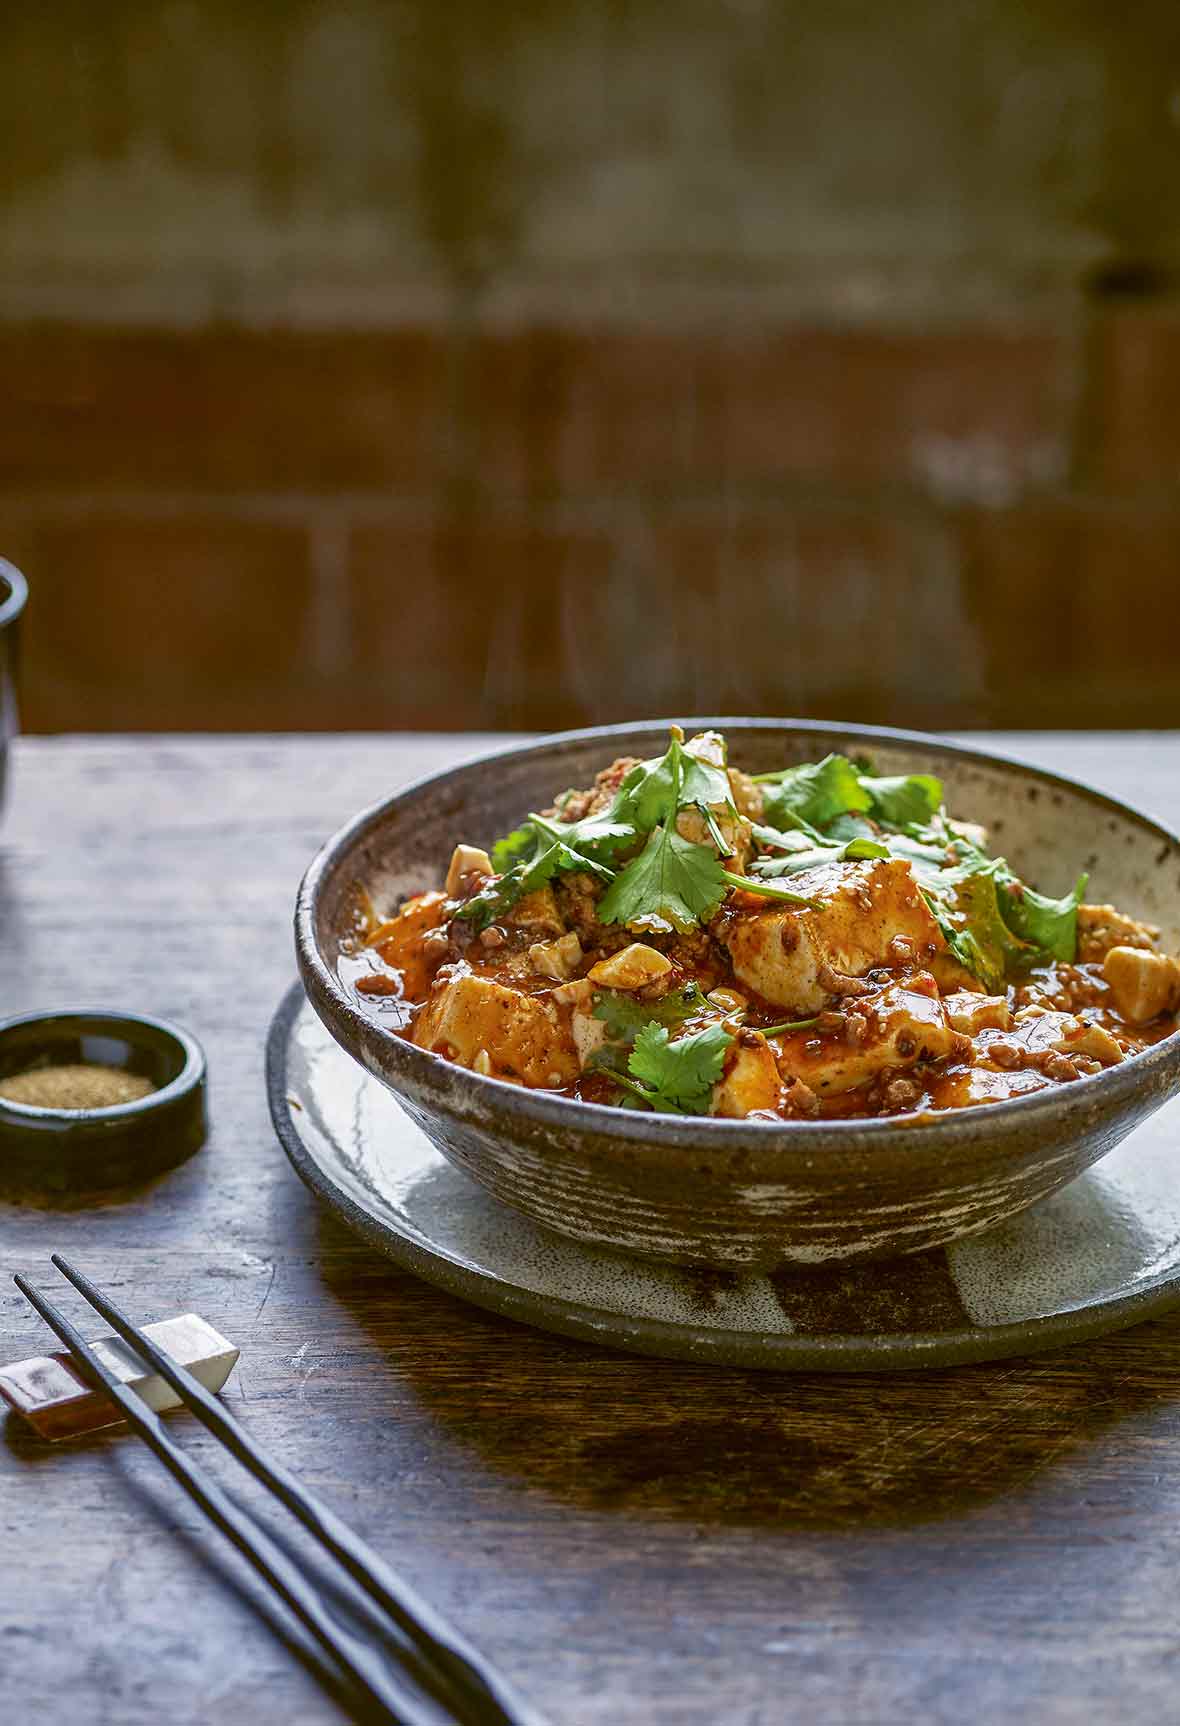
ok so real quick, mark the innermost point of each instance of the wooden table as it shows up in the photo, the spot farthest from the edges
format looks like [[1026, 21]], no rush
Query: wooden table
[[635, 1541]]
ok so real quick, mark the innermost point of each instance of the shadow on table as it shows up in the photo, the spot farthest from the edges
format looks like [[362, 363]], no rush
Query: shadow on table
[[598, 1429], [153, 1495]]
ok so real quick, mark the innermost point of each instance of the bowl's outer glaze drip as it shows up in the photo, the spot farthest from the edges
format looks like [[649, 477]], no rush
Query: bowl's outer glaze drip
[[735, 1193]]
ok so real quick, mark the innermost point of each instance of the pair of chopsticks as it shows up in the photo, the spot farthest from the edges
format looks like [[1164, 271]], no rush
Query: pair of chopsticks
[[438, 1658]]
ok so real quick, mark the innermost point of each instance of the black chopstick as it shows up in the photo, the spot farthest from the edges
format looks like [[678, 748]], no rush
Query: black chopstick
[[437, 1653], [440, 1643], [358, 1658], [442, 1647]]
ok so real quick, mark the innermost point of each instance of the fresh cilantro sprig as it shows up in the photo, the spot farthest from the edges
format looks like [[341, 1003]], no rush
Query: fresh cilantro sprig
[[813, 856], [817, 791], [645, 806], [624, 1015], [994, 924], [836, 810], [655, 791], [676, 1078], [554, 850], [903, 798], [674, 880]]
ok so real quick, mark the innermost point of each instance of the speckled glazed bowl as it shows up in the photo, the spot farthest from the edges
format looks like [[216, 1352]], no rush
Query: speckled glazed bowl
[[747, 1194]]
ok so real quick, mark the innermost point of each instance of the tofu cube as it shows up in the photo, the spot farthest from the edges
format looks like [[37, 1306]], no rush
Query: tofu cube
[[893, 1027], [523, 1035], [751, 1078], [634, 968], [861, 908], [1143, 984], [971, 1013]]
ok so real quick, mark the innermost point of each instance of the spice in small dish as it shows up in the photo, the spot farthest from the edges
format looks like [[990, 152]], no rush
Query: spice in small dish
[[75, 1085]]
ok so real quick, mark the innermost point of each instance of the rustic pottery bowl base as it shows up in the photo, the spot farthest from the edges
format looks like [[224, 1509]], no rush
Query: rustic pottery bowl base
[[1102, 1253]]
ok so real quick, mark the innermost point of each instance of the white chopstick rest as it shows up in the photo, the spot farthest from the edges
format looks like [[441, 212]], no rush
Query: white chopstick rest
[[49, 1393]]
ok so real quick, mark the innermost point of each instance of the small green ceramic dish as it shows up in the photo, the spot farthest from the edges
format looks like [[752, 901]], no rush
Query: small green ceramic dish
[[83, 1150], [747, 1195]]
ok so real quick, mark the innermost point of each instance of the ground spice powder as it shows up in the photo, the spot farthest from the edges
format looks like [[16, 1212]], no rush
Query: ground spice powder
[[75, 1085]]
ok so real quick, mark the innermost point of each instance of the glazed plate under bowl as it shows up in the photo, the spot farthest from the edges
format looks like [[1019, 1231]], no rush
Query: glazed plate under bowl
[[1101, 1254], [746, 1195]]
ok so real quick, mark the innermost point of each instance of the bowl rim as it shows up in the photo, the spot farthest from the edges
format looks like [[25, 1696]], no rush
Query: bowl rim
[[627, 1127], [12, 604]]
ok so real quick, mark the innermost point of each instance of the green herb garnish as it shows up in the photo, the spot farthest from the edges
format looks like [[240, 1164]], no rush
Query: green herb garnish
[[676, 1078], [904, 798], [815, 792], [855, 851], [555, 848], [787, 1025], [625, 1016], [672, 880]]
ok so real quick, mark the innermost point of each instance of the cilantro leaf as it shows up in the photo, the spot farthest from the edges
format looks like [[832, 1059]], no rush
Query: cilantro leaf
[[924, 856], [819, 791], [497, 896], [856, 850], [850, 826], [816, 792], [653, 791], [993, 923], [1050, 924], [517, 847], [624, 1016], [904, 798], [671, 878], [677, 1078], [555, 853], [585, 842], [966, 907], [795, 836]]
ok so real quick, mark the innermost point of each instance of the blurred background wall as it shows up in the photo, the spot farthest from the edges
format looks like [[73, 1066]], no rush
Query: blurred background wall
[[534, 362]]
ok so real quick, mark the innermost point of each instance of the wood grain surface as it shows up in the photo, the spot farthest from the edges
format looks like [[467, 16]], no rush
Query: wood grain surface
[[633, 1540]]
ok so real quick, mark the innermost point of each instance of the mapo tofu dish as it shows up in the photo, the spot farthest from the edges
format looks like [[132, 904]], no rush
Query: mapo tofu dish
[[818, 942]]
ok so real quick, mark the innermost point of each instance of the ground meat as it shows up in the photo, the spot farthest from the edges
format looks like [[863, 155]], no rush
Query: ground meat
[[748, 796], [577, 905], [836, 983], [576, 805], [693, 952], [900, 1094], [1101, 927], [460, 935], [800, 1099]]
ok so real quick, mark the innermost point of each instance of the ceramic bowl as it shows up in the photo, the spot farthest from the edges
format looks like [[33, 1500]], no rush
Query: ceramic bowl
[[747, 1194]]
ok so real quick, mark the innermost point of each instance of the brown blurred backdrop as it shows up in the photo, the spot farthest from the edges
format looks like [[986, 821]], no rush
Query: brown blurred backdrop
[[459, 363]]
